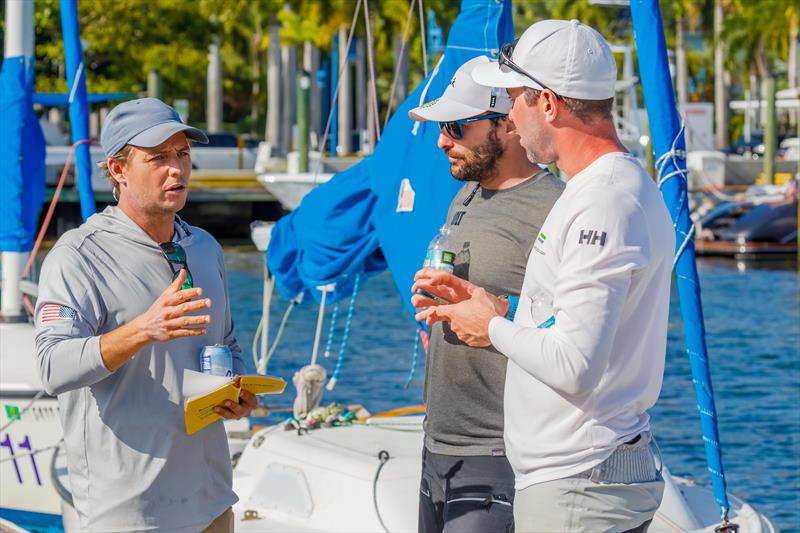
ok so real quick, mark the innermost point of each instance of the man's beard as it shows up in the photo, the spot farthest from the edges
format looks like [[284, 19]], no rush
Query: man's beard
[[481, 162]]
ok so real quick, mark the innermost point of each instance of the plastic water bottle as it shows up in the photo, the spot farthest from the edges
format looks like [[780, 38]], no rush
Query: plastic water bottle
[[439, 256], [440, 253]]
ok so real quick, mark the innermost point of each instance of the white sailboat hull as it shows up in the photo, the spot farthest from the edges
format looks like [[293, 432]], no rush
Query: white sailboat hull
[[28, 440], [331, 480]]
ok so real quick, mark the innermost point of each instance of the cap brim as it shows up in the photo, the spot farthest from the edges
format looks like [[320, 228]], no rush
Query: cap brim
[[161, 132], [490, 75], [444, 110]]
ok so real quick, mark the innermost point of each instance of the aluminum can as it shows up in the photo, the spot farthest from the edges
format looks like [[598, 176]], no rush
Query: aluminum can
[[216, 360]]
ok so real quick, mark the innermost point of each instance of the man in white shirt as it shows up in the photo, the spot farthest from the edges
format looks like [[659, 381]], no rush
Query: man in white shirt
[[587, 343]]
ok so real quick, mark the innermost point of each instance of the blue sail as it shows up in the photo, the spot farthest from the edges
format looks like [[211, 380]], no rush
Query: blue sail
[[669, 147], [22, 154], [78, 104], [352, 224]]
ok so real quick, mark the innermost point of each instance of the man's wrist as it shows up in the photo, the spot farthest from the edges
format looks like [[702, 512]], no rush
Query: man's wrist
[[512, 301]]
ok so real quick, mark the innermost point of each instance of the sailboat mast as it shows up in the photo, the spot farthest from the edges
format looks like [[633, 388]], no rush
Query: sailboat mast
[[18, 43]]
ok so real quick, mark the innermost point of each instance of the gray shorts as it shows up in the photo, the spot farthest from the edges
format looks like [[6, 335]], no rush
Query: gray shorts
[[620, 494]]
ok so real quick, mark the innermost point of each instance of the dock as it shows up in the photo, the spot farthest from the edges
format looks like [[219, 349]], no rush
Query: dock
[[222, 201]]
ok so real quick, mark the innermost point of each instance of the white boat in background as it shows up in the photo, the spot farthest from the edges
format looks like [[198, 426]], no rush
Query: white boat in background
[[290, 186]]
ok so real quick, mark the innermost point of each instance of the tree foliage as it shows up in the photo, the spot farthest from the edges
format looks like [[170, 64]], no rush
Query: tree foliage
[[127, 38]]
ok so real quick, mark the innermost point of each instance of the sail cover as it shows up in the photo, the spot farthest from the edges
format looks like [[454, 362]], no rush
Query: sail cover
[[383, 211], [22, 154]]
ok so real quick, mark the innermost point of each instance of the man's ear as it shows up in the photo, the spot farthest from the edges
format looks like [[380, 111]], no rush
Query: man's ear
[[549, 105], [116, 169]]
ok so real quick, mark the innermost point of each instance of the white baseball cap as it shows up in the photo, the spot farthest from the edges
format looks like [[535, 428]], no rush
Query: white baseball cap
[[464, 98], [565, 56]]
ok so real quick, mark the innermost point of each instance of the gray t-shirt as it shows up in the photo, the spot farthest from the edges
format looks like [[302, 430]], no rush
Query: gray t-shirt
[[492, 233]]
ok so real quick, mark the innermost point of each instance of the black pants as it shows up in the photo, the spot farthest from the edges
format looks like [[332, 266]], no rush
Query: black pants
[[465, 494]]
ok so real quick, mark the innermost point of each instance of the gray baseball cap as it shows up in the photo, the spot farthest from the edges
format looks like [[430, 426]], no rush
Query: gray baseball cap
[[146, 122]]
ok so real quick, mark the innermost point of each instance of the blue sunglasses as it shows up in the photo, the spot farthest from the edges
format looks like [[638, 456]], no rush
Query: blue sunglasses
[[455, 128]]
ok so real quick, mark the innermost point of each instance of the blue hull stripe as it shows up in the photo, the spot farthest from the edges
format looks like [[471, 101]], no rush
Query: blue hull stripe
[[33, 521]]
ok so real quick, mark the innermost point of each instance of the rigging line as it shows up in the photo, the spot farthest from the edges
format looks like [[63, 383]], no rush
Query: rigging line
[[399, 64], [345, 335], [24, 410], [422, 38], [324, 139], [320, 318], [279, 334], [48, 217], [371, 62], [331, 330], [32, 452]]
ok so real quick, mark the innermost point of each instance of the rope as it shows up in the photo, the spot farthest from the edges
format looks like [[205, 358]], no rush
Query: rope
[[329, 344], [32, 452], [424, 93], [383, 457], [399, 63], [672, 156], [263, 328], [343, 65], [345, 335], [413, 358], [371, 63], [320, 319], [279, 334], [52, 207], [24, 410], [422, 37]]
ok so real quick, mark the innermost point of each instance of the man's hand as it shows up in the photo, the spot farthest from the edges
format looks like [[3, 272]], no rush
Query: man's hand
[[440, 284], [469, 319], [165, 319], [235, 411]]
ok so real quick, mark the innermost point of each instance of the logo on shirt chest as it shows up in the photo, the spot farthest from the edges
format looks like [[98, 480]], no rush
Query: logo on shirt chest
[[538, 244], [592, 237]]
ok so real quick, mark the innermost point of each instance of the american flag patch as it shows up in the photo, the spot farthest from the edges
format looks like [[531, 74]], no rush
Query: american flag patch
[[52, 312]]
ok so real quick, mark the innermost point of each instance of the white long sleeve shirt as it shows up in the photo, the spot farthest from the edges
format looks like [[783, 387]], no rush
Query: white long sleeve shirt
[[601, 267]]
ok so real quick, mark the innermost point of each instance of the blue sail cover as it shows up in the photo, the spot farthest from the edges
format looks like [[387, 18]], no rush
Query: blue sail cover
[[22, 152], [665, 128], [78, 104], [351, 223]]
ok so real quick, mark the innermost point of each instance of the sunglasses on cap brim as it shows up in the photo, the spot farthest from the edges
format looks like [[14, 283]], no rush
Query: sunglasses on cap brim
[[507, 64]]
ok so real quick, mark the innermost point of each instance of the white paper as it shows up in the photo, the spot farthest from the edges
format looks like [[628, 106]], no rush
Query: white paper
[[198, 384]]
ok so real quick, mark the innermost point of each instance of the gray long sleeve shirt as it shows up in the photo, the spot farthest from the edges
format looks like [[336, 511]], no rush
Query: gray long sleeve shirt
[[131, 465]]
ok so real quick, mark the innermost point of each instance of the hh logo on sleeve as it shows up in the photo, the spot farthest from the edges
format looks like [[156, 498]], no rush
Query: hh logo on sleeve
[[591, 236], [51, 312]]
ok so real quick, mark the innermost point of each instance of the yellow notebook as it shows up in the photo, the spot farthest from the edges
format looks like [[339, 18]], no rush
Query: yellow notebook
[[203, 392]]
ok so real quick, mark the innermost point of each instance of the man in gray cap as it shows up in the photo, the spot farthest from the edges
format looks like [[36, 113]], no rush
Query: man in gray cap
[[587, 344], [118, 318], [467, 483]]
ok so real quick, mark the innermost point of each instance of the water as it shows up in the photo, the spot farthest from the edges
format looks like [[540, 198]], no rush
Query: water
[[753, 333]]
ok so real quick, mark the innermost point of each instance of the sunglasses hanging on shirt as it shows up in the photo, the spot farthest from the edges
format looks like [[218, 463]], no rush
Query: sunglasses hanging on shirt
[[176, 258]]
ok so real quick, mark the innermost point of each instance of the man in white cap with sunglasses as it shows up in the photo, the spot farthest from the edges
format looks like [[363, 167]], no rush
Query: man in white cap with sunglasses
[[467, 483], [587, 343], [119, 318]]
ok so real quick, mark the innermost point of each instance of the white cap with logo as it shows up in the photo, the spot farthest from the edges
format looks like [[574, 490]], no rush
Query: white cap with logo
[[464, 98], [567, 57]]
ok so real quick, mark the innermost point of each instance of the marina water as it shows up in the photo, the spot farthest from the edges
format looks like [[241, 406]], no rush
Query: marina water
[[752, 314]]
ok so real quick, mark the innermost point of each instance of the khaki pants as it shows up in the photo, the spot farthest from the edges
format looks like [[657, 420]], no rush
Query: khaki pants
[[620, 494], [222, 524]]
